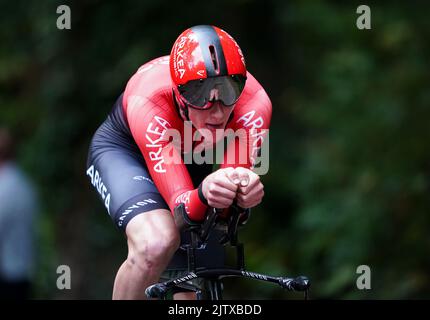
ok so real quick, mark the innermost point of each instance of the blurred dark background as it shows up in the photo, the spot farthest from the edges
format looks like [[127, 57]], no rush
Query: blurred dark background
[[350, 158]]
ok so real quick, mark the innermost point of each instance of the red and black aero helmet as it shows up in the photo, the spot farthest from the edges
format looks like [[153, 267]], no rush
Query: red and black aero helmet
[[206, 64]]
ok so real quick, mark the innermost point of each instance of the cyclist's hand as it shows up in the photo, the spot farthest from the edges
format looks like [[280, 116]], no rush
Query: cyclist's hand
[[250, 191], [218, 190], [239, 176]]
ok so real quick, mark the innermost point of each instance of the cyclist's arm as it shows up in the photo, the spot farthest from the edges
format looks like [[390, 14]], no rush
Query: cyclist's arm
[[252, 117], [147, 123], [251, 122]]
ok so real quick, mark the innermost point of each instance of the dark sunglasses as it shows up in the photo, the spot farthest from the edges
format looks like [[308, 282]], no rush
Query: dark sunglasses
[[198, 93]]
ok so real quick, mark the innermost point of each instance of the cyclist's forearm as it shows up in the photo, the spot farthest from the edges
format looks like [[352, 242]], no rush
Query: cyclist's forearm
[[194, 204]]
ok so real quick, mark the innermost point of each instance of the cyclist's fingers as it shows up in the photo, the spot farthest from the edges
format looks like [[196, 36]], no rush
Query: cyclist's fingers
[[247, 204], [244, 204], [227, 169], [233, 176], [243, 190], [224, 193], [227, 184], [254, 196], [249, 188], [220, 194], [244, 179], [244, 176], [243, 198], [257, 191]]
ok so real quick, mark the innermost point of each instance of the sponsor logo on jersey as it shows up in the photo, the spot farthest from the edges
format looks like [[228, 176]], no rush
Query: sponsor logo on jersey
[[155, 138], [185, 199], [258, 135], [97, 182]]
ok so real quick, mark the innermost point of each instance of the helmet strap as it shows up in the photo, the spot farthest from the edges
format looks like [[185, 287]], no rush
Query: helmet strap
[[180, 106], [185, 109]]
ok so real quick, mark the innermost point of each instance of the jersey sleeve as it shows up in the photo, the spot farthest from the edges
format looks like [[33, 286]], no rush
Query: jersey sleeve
[[250, 128], [154, 131]]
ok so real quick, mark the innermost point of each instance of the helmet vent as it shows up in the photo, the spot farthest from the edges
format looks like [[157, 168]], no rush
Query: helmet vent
[[214, 58]]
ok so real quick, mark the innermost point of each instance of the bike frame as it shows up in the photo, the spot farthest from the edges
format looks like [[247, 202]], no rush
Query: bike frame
[[213, 276]]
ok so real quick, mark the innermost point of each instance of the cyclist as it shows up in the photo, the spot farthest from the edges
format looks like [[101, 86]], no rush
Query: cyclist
[[141, 174]]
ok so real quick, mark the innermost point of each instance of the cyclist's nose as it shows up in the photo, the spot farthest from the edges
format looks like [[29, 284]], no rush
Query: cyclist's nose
[[217, 111]]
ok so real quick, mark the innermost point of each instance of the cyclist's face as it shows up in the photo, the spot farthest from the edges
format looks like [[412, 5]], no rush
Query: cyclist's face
[[214, 118]]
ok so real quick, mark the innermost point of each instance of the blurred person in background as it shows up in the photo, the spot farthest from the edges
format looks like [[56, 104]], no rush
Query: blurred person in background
[[18, 207]]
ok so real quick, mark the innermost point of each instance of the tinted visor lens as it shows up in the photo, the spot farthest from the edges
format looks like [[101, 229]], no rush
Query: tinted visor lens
[[226, 89]]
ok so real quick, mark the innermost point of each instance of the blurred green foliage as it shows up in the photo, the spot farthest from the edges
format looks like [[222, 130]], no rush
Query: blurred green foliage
[[349, 168]]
